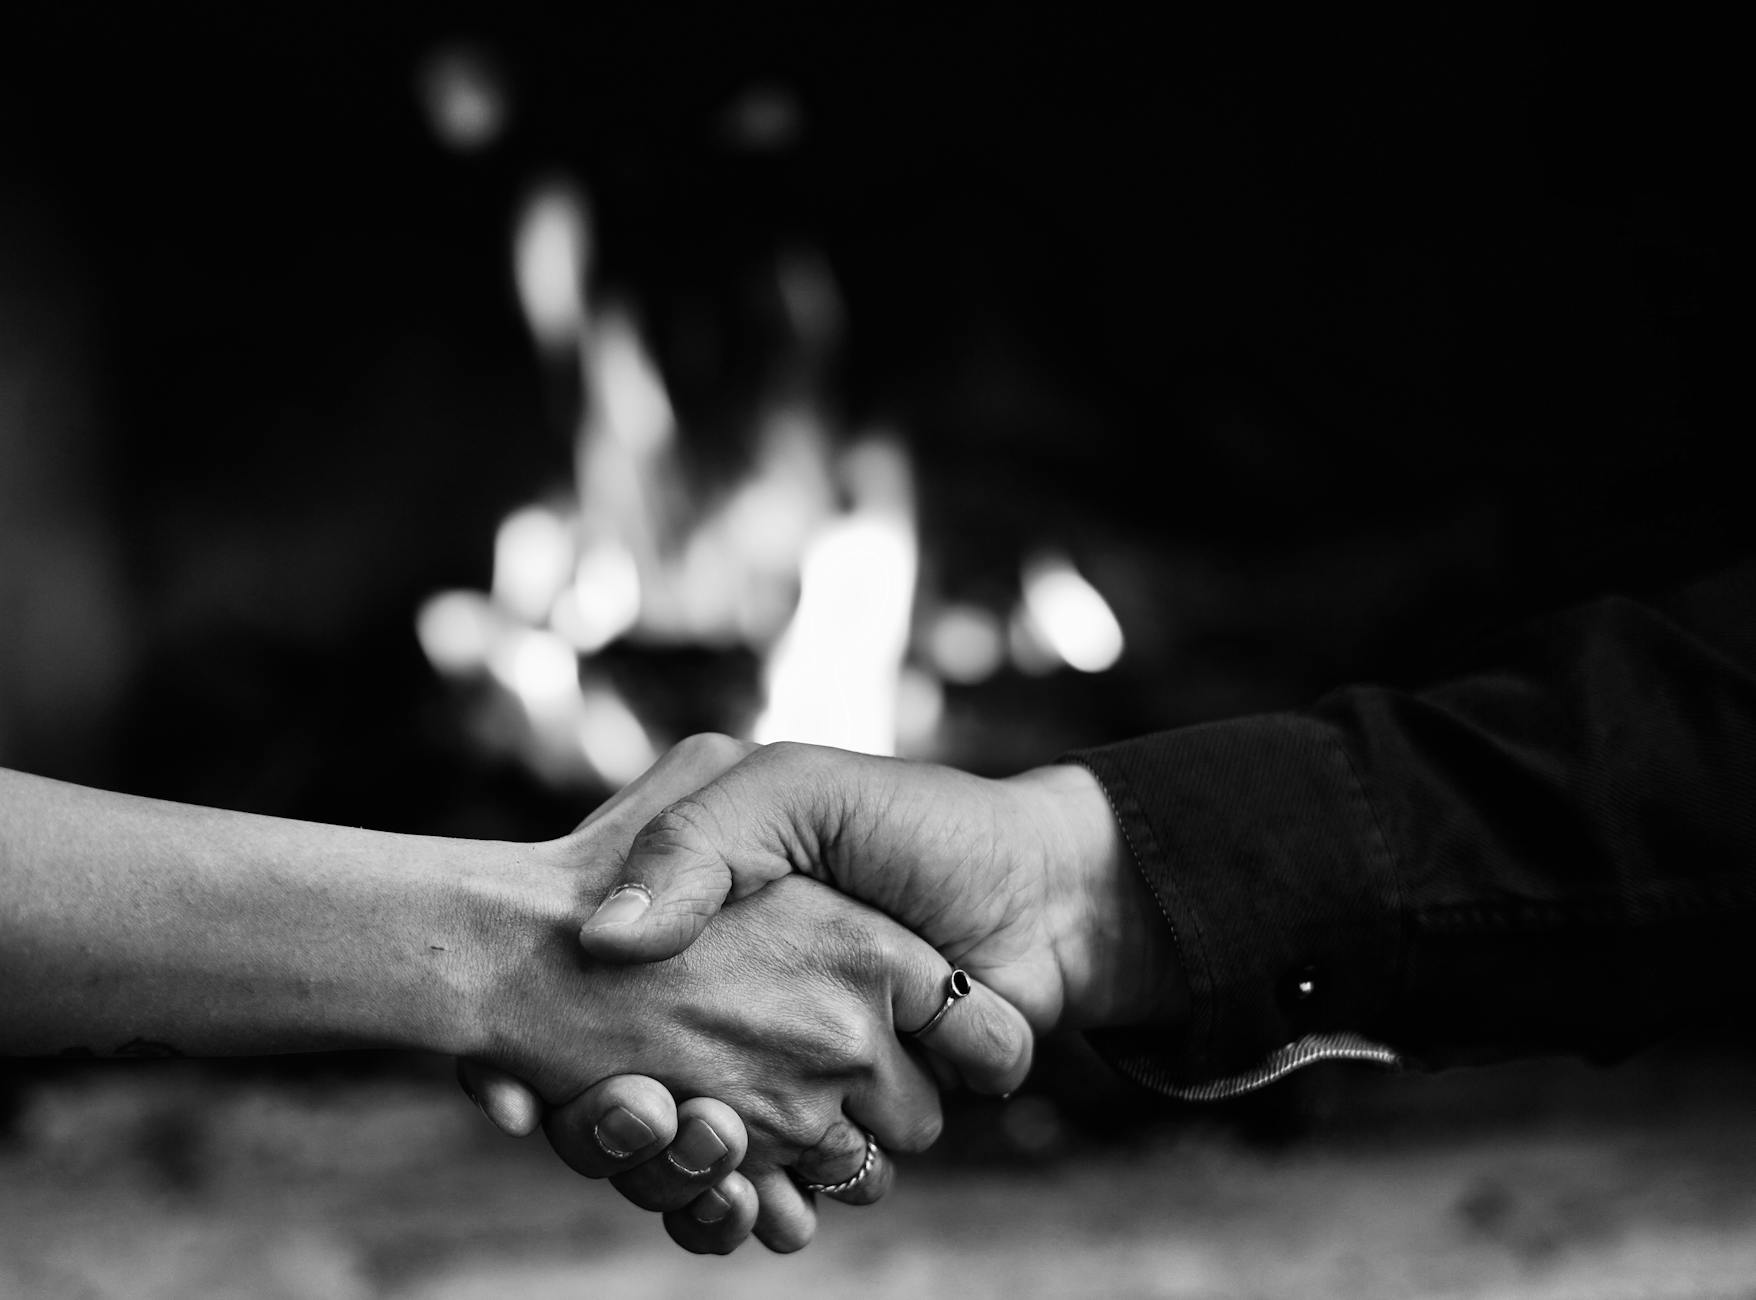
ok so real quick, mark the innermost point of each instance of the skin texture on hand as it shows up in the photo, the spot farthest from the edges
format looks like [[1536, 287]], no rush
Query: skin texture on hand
[[786, 1010], [1025, 881], [703, 1215], [131, 924], [626, 1129], [789, 1016]]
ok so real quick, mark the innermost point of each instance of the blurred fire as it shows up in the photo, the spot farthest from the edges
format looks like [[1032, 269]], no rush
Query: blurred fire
[[808, 559]]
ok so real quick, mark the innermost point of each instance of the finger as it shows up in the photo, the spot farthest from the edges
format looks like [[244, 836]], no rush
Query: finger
[[719, 1220], [898, 1105], [847, 1154], [686, 766], [680, 869], [510, 1105], [983, 1036], [785, 1218], [775, 811], [614, 1125], [710, 1143]]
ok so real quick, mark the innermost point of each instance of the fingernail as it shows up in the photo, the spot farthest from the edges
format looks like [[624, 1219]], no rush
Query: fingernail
[[710, 1207], [621, 1133], [696, 1149], [627, 903]]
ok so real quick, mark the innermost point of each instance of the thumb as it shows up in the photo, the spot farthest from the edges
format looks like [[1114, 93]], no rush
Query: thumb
[[731, 837]]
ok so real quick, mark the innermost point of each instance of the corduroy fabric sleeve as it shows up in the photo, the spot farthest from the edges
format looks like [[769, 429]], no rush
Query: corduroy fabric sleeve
[[1556, 854]]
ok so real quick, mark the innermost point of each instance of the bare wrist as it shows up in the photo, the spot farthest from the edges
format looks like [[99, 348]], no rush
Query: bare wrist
[[531, 1002], [508, 905], [1115, 947]]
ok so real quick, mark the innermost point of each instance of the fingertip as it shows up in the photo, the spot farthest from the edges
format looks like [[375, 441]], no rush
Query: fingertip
[[1010, 1078], [718, 1221], [645, 941], [785, 1219], [723, 1120], [1012, 1059], [1014, 1049], [512, 1108], [614, 1126], [630, 1115], [987, 1039]]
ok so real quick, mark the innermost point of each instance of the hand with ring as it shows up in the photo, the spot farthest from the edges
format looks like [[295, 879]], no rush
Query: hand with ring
[[787, 1011], [1023, 882], [693, 1193]]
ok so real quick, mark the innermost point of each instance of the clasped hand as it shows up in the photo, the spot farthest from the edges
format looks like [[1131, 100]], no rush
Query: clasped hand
[[756, 1053]]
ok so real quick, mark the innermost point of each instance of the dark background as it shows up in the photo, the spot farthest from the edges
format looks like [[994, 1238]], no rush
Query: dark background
[[1327, 348], [1341, 345]]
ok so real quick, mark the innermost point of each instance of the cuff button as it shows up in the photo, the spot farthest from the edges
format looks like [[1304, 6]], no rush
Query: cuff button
[[1300, 990]]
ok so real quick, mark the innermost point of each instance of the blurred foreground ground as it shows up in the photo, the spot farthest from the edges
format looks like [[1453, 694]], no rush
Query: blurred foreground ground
[[177, 1180]]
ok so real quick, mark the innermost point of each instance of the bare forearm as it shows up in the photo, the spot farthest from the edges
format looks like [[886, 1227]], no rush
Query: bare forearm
[[128, 924]]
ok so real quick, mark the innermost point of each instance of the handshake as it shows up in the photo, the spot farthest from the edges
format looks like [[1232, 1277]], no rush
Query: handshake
[[744, 980], [786, 952]]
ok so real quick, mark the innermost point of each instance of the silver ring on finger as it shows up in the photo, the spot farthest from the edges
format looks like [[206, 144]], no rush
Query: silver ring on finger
[[848, 1184], [957, 987]]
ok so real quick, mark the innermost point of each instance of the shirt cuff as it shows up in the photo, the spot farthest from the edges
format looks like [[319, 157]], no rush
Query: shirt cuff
[[1259, 843]]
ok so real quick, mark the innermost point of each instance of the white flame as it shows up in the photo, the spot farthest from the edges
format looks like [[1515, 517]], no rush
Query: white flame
[[538, 667], [603, 601], [1031, 654], [1069, 616], [465, 99], [811, 299], [771, 562], [631, 403], [735, 581], [965, 643], [920, 707], [456, 630], [611, 737], [550, 258], [832, 679], [533, 561]]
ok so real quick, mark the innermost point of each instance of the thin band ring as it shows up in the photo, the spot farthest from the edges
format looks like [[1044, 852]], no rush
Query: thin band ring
[[848, 1184], [957, 986]]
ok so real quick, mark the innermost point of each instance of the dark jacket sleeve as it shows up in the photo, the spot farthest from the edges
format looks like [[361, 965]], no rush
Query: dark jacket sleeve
[[1557, 854]]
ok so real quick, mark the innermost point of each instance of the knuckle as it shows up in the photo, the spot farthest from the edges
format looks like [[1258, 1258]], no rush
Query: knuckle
[[849, 1048], [784, 751], [763, 1112], [709, 749], [795, 757], [839, 1145], [685, 826], [853, 945]]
